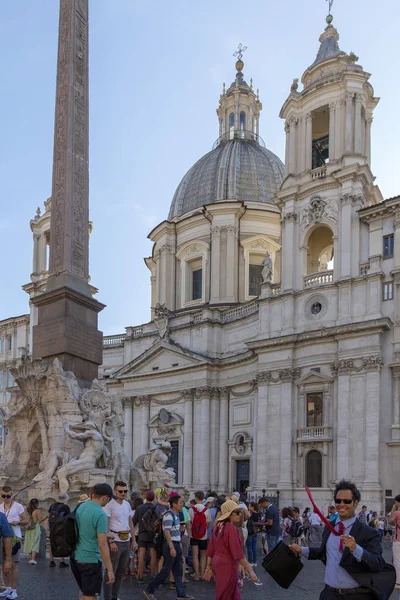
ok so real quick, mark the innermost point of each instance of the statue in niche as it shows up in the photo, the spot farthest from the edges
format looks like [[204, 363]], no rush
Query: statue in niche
[[267, 271], [94, 449]]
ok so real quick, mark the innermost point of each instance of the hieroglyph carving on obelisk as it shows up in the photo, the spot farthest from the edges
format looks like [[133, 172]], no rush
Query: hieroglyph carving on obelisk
[[70, 191]]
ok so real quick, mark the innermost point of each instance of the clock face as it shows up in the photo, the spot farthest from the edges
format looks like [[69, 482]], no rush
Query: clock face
[[164, 416]]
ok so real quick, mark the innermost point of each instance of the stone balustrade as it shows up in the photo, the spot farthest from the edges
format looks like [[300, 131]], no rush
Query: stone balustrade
[[276, 289], [364, 268], [239, 312], [113, 340], [318, 433], [319, 173], [317, 279]]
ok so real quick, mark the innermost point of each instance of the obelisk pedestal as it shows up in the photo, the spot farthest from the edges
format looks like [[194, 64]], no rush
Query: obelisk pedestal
[[67, 312]]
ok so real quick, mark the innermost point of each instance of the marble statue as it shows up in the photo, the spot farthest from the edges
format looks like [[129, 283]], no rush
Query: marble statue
[[267, 271], [94, 450], [150, 470]]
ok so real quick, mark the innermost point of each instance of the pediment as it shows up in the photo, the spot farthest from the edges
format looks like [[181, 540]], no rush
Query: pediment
[[161, 357], [313, 377]]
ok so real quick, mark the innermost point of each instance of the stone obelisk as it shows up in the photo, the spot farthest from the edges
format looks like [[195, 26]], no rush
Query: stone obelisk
[[67, 312]]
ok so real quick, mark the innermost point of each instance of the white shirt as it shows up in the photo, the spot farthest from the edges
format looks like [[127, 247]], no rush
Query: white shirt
[[314, 519], [13, 515], [118, 515]]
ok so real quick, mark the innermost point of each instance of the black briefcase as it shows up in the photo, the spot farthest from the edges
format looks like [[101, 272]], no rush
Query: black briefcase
[[283, 565]]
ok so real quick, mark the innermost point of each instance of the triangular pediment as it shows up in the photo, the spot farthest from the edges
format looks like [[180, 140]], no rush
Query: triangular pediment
[[161, 357], [313, 377]]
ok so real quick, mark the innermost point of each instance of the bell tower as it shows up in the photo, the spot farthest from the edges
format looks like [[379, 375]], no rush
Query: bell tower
[[328, 167]]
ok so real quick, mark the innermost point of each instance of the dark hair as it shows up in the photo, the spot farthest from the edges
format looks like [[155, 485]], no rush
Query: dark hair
[[199, 495], [174, 500], [366, 507], [287, 512], [6, 488], [193, 501], [33, 505], [262, 500], [137, 502], [296, 509], [396, 498], [119, 484], [348, 485], [254, 504]]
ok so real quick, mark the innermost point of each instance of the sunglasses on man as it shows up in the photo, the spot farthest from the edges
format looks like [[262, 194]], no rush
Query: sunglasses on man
[[5, 496], [121, 491], [343, 500]]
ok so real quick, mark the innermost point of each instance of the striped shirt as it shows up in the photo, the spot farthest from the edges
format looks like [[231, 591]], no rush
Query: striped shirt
[[171, 523]]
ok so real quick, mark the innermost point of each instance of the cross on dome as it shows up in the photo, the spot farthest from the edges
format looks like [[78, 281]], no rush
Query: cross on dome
[[240, 51]]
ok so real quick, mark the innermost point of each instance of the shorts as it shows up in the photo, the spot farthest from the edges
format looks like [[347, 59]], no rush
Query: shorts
[[185, 546], [145, 544], [388, 531], [15, 557], [88, 576], [202, 544]]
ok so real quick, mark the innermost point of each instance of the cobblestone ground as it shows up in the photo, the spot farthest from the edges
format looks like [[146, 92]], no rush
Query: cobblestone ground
[[42, 583]]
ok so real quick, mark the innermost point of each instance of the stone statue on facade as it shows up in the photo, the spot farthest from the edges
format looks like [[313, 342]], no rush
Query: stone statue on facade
[[150, 470], [267, 271]]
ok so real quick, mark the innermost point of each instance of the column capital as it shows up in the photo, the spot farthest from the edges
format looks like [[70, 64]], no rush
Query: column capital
[[127, 402]]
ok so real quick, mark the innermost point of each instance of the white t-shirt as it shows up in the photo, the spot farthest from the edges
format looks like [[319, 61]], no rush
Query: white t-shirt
[[13, 515], [314, 519], [119, 517]]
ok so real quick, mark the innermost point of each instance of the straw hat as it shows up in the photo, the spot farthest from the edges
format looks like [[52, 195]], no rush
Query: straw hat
[[233, 498], [83, 498], [227, 509]]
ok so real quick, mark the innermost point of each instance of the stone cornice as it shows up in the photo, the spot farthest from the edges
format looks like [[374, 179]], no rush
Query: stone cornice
[[386, 208], [283, 375]]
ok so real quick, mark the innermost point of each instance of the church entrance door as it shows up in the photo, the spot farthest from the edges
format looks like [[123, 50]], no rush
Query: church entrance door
[[242, 475]]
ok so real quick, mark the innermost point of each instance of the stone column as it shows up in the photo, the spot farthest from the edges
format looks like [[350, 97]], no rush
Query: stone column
[[223, 439], [368, 124], [343, 421], [396, 403], [287, 377], [197, 441], [301, 143], [332, 131], [287, 147], [145, 417], [42, 252], [308, 142], [188, 440], [128, 419], [137, 428], [35, 266], [292, 151], [345, 253], [349, 146], [372, 407], [215, 264], [261, 445], [205, 439], [232, 266], [339, 128], [258, 126], [357, 125], [288, 242], [214, 437]]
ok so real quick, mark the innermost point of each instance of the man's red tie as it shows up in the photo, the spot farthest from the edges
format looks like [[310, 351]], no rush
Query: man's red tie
[[321, 516], [341, 532]]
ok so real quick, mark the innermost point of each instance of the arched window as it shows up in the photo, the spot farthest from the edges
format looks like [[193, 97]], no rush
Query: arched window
[[231, 125], [314, 469], [242, 121]]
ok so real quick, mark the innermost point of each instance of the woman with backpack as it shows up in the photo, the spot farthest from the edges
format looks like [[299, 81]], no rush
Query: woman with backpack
[[252, 530], [32, 531]]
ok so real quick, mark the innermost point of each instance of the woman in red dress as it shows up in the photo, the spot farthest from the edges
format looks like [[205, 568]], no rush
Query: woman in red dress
[[225, 552]]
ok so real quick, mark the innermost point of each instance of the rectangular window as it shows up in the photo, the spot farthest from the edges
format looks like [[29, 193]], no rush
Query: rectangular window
[[10, 379], [388, 290], [314, 409], [197, 284], [255, 279], [388, 245]]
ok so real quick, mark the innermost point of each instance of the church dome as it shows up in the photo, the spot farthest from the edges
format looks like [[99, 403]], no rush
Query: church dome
[[236, 169]]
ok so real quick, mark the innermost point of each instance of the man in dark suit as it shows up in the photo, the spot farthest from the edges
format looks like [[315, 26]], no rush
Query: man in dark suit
[[355, 568]]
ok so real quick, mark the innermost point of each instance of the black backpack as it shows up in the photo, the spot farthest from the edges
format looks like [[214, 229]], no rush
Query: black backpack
[[64, 535], [57, 510], [150, 521], [296, 529]]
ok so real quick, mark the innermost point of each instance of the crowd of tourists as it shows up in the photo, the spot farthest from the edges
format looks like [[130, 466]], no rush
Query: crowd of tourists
[[160, 540]]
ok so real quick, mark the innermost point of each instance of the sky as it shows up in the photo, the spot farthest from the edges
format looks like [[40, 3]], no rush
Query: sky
[[156, 74]]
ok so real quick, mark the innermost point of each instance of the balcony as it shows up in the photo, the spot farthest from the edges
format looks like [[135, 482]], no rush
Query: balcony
[[319, 173], [318, 279], [314, 434]]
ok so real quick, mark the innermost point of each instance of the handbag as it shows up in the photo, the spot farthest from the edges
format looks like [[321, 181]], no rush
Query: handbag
[[31, 524], [283, 565]]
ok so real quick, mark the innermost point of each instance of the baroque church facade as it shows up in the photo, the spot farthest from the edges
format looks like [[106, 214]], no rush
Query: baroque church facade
[[289, 381]]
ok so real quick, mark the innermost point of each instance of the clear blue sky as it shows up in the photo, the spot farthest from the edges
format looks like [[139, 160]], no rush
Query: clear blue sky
[[156, 72]]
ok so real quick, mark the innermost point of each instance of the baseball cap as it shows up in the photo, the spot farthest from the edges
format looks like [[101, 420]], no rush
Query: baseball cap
[[173, 494], [150, 496], [210, 500], [103, 489]]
